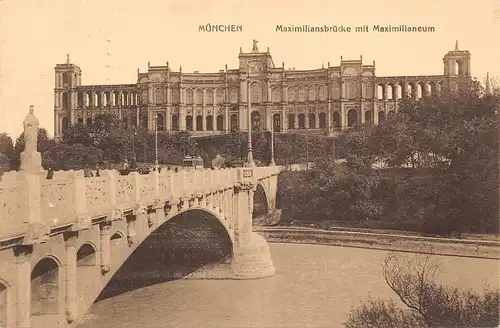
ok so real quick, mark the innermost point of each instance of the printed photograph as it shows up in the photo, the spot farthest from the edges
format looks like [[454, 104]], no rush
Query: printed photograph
[[249, 164]]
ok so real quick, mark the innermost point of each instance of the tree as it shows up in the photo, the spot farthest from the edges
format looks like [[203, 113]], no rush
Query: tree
[[78, 134], [283, 150], [427, 303], [7, 148], [235, 147], [106, 133], [72, 157]]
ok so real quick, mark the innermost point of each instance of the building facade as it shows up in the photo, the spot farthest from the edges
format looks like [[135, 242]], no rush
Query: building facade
[[324, 100]]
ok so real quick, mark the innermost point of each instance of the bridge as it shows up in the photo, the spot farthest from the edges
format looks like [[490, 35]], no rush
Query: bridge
[[62, 239]]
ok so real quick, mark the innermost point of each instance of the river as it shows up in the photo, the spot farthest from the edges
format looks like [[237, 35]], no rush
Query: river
[[314, 286]]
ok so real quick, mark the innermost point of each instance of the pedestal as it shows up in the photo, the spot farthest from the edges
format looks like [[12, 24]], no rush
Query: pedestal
[[31, 162], [253, 259]]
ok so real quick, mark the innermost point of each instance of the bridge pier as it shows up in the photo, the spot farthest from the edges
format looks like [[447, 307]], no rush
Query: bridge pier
[[71, 276], [23, 267], [251, 254]]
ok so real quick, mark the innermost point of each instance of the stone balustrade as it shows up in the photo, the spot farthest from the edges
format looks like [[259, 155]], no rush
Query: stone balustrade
[[30, 202]]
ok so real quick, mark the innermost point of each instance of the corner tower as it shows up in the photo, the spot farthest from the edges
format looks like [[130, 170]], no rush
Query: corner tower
[[67, 78], [457, 63]]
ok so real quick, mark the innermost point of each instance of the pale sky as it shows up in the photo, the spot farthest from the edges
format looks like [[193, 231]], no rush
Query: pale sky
[[110, 39]]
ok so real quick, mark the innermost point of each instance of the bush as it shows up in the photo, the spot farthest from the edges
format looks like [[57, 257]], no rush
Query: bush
[[427, 304]]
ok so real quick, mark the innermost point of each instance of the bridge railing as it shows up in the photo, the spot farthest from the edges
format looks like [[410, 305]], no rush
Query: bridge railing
[[69, 196]]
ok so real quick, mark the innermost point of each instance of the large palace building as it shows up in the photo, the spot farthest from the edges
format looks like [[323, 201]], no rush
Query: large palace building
[[326, 100]]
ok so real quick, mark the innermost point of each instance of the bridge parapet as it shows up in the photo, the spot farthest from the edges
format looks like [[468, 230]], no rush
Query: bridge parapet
[[32, 206]]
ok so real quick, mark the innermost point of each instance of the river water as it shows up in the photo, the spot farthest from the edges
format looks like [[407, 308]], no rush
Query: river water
[[314, 286]]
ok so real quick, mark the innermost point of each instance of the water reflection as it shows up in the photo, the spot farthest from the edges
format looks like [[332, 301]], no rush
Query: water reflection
[[314, 286]]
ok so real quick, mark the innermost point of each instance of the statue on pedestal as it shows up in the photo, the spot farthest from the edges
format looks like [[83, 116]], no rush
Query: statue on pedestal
[[31, 159], [31, 125]]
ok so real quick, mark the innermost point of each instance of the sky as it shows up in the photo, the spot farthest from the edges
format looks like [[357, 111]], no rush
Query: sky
[[111, 39]]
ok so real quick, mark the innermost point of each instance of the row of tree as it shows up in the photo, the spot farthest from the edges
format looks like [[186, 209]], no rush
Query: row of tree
[[441, 175], [107, 141]]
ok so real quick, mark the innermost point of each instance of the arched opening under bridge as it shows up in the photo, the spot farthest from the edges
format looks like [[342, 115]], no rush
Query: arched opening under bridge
[[182, 245]]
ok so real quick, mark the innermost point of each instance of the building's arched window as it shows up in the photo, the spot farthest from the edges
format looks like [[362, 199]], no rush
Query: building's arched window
[[276, 95], [456, 67], [291, 94], [89, 121], [125, 99], [399, 92], [352, 117], [220, 123], [291, 121], [189, 123], [381, 117], [233, 96], [352, 90], [277, 122], [410, 90], [64, 125], [219, 97], [66, 103], [234, 122], [175, 123], [302, 94], [312, 121], [368, 116], [160, 122], [175, 96], [390, 92], [322, 120], [323, 93], [256, 93], [256, 121], [420, 90], [66, 79], [144, 122], [79, 100], [210, 123], [199, 123], [302, 121], [198, 97], [189, 96], [380, 91], [105, 99], [336, 120], [144, 98], [311, 93], [159, 96], [209, 96], [86, 100]]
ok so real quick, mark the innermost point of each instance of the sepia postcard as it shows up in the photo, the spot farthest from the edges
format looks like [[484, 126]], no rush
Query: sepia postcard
[[249, 164]]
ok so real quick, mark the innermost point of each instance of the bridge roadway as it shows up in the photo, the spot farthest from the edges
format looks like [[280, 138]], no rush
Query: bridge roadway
[[62, 239]]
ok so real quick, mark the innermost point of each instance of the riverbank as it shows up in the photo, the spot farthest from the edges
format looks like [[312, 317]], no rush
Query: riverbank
[[476, 248]]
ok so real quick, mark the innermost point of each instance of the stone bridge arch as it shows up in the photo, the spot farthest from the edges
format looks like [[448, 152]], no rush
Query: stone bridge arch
[[260, 203], [187, 243]]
